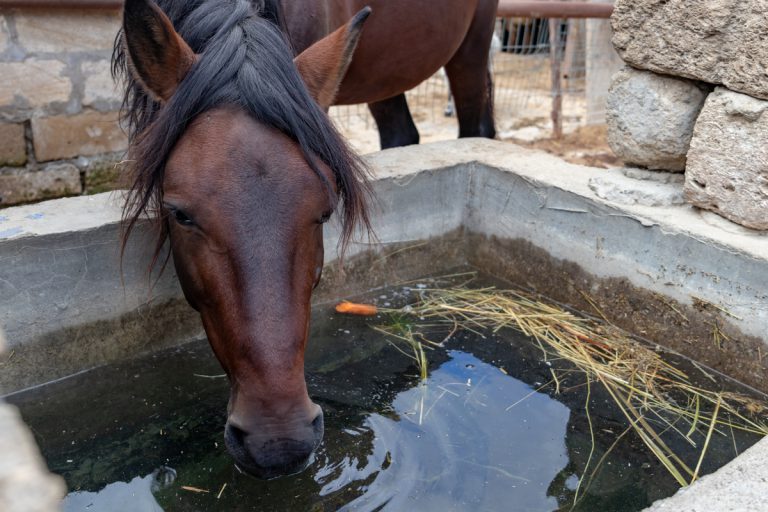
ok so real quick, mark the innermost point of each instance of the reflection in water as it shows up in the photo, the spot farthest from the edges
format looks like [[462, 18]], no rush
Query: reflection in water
[[457, 447], [452, 443], [136, 495]]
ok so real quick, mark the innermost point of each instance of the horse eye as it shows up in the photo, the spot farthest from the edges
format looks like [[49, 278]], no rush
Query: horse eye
[[325, 217], [181, 217]]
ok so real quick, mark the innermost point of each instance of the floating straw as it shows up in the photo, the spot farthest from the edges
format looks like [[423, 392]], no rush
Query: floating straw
[[636, 377]]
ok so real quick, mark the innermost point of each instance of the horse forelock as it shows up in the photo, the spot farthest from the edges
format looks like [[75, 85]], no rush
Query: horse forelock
[[244, 60]]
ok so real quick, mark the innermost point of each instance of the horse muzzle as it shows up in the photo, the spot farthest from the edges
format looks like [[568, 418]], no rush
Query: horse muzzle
[[268, 454]]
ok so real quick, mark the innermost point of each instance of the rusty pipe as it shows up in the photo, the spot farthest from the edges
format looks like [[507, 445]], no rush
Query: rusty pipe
[[61, 4], [507, 8], [555, 9]]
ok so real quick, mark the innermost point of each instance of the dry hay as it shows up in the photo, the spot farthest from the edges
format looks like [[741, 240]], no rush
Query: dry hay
[[654, 396]]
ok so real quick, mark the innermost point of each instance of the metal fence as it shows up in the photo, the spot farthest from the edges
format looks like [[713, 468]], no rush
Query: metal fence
[[551, 74]]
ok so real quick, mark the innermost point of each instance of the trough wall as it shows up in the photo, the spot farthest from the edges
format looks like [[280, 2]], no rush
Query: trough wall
[[672, 274]]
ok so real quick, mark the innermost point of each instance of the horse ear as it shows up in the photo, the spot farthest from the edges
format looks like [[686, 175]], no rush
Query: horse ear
[[324, 64], [159, 58]]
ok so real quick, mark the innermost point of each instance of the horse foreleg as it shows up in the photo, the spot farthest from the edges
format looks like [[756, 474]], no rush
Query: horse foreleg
[[470, 80], [396, 126]]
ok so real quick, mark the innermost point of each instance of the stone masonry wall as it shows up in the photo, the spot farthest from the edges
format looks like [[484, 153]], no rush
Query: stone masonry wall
[[59, 133], [694, 97]]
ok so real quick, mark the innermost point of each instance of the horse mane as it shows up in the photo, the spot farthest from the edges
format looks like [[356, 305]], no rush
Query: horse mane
[[244, 60]]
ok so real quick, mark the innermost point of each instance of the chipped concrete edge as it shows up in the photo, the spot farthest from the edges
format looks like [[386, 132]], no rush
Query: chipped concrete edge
[[739, 486]]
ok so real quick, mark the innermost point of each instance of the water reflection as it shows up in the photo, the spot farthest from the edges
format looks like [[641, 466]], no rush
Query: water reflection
[[453, 443], [457, 446], [136, 495]]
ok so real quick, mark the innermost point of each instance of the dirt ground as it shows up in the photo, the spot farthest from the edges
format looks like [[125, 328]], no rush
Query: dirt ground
[[580, 144], [586, 145], [522, 108]]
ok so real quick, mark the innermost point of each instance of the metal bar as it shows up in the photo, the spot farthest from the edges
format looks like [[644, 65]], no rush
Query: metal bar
[[507, 8], [556, 9], [556, 58], [61, 4]]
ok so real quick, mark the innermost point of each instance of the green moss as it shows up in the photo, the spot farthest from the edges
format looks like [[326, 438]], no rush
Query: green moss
[[102, 176]]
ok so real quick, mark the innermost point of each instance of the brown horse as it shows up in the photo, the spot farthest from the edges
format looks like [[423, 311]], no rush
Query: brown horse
[[404, 43], [236, 161]]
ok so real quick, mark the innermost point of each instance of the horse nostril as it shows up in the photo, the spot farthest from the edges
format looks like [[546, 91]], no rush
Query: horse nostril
[[236, 434], [234, 440], [317, 423], [317, 428]]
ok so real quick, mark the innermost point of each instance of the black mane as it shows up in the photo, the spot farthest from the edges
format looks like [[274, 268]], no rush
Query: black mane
[[244, 60]]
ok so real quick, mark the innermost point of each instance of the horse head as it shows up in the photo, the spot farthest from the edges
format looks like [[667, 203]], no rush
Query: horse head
[[233, 155]]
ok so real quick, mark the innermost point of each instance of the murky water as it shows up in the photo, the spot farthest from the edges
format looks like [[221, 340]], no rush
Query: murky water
[[146, 435]]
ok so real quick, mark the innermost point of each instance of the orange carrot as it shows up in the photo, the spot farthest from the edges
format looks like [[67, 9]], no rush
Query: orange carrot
[[351, 308]]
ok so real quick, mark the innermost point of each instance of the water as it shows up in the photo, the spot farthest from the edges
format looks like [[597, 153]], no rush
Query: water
[[146, 435]]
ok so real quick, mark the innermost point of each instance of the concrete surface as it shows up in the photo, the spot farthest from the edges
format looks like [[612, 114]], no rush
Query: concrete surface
[[65, 302], [61, 293], [739, 486], [639, 186]]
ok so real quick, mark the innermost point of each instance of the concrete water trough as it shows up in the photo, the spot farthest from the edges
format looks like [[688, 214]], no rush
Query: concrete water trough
[[668, 274]]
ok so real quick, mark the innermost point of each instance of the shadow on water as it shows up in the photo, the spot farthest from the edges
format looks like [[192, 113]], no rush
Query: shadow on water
[[484, 432]]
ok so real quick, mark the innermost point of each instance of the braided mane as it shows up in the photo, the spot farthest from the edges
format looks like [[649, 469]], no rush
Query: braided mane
[[245, 60]]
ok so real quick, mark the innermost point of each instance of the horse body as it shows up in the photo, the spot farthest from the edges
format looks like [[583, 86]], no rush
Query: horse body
[[233, 157], [404, 43]]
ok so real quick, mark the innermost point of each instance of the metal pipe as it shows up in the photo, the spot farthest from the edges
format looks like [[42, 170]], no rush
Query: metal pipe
[[61, 4], [556, 9], [556, 59], [507, 8]]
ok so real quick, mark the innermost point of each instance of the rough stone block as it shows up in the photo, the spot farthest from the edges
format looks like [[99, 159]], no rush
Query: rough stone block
[[100, 88], [66, 30], [651, 118], [88, 133], [34, 82], [716, 41], [728, 162], [13, 148], [25, 186]]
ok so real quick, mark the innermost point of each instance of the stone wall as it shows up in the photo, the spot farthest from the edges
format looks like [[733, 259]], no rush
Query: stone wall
[[693, 98], [59, 133]]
